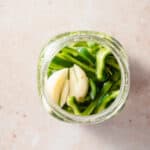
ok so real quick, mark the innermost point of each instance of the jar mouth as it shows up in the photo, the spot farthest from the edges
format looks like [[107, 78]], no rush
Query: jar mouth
[[52, 48]]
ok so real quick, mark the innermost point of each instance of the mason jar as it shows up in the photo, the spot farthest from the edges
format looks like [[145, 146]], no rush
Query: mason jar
[[53, 47]]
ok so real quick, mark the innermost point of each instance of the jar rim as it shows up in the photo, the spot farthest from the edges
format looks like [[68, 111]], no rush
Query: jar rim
[[118, 103]]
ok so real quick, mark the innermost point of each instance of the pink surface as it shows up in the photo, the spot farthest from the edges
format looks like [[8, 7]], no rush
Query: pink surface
[[25, 26]]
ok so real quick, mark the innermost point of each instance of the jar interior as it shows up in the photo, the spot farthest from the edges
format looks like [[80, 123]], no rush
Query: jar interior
[[55, 45]]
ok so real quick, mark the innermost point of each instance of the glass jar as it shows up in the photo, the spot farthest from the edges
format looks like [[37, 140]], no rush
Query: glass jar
[[53, 47]]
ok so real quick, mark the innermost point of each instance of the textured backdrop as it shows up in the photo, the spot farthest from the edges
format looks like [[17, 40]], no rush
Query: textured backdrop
[[25, 26]]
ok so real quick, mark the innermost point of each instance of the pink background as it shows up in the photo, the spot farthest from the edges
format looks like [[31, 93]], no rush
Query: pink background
[[25, 26]]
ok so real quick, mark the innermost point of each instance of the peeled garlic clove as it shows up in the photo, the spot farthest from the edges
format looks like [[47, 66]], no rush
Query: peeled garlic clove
[[55, 83], [78, 83], [72, 82], [64, 94]]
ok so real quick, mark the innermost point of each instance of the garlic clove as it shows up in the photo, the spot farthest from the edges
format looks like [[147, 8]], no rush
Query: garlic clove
[[55, 83], [72, 82], [78, 83], [64, 94]]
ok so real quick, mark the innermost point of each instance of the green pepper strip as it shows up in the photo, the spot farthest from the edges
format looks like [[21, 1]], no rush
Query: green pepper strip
[[57, 63], [111, 61], [71, 51], [106, 99], [100, 62], [73, 60], [116, 75], [72, 104], [55, 66], [83, 52], [68, 108], [93, 89], [109, 72], [94, 47], [62, 62], [49, 72], [116, 85], [89, 109], [106, 87]]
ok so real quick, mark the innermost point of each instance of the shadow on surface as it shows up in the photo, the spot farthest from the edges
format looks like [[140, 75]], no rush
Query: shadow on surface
[[131, 128]]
